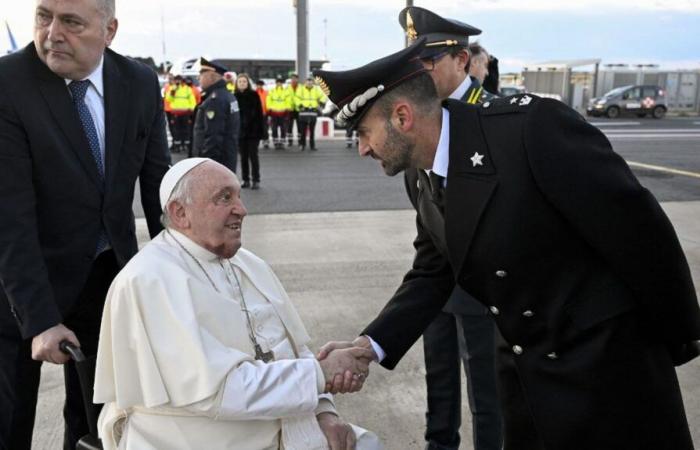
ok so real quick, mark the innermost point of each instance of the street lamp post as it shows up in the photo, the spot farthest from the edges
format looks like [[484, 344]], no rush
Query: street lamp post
[[302, 38]]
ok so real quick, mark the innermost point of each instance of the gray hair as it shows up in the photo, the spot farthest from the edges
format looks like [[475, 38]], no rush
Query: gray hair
[[182, 193], [108, 9]]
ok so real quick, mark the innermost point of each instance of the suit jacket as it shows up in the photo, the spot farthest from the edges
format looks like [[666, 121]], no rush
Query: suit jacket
[[52, 203], [557, 237]]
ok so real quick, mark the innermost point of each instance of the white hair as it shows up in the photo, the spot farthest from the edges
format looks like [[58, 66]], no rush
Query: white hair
[[182, 193]]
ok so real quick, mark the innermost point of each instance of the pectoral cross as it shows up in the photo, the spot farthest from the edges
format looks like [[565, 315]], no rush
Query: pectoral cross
[[265, 357]]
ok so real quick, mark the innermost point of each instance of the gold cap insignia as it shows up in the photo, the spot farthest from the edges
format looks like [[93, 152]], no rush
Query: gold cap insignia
[[324, 87], [411, 33]]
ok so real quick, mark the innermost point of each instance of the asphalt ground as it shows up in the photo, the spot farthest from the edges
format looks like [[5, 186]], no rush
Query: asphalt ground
[[338, 179], [338, 233]]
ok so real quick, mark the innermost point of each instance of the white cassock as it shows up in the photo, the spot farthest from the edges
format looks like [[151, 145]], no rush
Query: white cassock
[[176, 366]]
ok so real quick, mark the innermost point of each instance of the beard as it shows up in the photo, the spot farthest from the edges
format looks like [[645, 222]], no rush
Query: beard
[[400, 149]]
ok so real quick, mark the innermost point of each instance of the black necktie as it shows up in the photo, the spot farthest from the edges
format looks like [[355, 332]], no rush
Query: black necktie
[[437, 189]]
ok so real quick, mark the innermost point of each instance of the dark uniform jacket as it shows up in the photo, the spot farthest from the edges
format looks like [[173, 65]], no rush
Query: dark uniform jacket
[[217, 124], [579, 266], [251, 113], [52, 202], [460, 302]]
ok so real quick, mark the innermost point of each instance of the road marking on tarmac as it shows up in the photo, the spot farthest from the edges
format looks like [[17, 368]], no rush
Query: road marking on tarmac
[[664, 169], [612, 124], [653, 130]]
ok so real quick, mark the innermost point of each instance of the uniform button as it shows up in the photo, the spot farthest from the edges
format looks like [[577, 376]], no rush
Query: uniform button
[[501, 273], [518, 350], [487, 104], [418, 184], [494, 311], [552, 355], [528, 313]]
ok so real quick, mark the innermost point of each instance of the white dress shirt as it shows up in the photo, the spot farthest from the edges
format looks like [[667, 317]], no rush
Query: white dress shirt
[[94, 99]]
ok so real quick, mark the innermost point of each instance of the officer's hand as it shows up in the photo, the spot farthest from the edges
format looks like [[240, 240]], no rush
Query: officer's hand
[[45, 346]]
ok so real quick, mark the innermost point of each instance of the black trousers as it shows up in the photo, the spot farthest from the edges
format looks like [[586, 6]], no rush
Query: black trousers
[[19, 374], [182, 129], [291, 118], [470, 338], [279, 125], [249, 157], [307, 122]]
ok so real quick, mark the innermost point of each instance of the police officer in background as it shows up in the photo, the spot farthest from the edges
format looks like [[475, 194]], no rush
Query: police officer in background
[[217, 123], [464, 329]]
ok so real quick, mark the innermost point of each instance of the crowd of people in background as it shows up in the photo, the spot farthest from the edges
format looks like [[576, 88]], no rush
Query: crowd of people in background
[[269, 117]]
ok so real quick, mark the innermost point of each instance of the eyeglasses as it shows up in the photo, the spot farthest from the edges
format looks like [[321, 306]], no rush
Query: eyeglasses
[[434, 59]]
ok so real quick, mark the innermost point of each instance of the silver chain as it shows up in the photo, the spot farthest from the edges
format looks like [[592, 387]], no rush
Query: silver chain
[[259, 354]]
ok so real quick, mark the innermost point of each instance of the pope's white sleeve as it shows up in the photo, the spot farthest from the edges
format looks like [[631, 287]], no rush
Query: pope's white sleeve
[[266, 391], [325, 401]]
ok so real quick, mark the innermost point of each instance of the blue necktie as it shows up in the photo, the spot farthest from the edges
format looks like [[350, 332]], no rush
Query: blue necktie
[[79, 89]]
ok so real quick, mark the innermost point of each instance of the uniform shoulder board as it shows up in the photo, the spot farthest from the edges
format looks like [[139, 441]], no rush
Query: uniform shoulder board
[[506, 105]]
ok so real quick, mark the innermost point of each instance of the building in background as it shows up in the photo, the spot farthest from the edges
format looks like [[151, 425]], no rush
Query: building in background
[[575, 82]]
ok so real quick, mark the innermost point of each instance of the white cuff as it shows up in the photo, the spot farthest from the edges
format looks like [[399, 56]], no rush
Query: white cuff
[[377, 349]]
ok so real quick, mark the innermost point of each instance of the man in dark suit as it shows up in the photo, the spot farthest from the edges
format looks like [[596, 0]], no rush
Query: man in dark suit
[[78, 125], [464, 329], [547, 227]]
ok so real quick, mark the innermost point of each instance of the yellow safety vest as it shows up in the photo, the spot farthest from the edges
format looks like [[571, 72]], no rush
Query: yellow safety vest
[[182, 99], [278, 100], [293, 93], [309, 98]]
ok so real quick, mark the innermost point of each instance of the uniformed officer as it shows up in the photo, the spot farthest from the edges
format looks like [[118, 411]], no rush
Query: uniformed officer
[[447, 42], [463, 330], [309, 99], [535, 215], [218, 118]]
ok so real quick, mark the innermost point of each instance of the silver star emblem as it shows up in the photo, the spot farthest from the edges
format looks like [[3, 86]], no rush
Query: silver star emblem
[[477, 159], [513, 100], [525, 100]]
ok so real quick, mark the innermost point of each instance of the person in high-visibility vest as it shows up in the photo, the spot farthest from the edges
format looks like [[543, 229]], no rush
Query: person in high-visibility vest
[[278, 108], [262, 92], [308, 101], [182, 101], [167, 108], [230, 79], [197, 92], [293, 89]]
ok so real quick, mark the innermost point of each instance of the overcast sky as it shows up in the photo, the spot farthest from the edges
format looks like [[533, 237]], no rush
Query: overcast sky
[[353, 32]]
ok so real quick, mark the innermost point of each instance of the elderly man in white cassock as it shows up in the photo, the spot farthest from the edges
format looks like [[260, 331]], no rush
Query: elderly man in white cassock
[[200, 347]]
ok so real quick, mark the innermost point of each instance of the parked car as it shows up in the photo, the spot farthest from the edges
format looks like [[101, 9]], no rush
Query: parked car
[[507, 91], [639, 100]]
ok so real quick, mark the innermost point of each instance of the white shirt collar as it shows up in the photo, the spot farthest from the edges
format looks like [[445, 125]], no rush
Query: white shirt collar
[[462, 88], [442, 154], [95, 78], [192, 247]]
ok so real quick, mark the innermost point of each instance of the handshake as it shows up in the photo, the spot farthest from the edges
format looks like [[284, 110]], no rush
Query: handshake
[[345, 365]]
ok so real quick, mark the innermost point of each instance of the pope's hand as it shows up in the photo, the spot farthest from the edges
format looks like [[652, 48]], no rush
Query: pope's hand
[[338, 433], [45, 346], [346, 369]]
